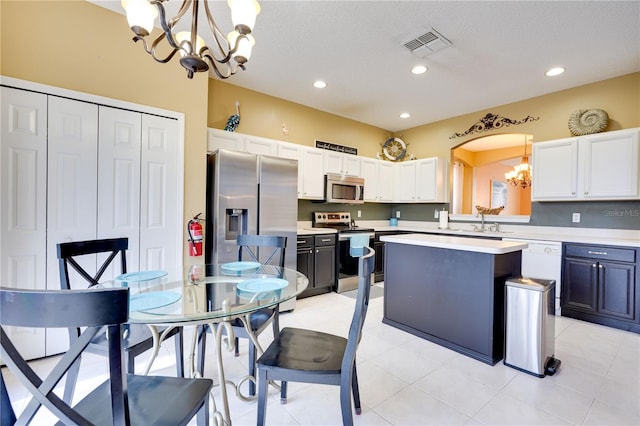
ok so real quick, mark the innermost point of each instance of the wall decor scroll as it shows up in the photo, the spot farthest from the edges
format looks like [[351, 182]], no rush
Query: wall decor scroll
[[588, 121], [493, 122]]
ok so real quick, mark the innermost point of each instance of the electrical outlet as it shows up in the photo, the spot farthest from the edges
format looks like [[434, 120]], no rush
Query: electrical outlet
[[436, 214], [398, 214], [575, 218], [359, 213]]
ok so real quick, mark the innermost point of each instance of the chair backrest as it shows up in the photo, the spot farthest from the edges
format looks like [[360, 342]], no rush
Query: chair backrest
[[68, 251], [365, 269], [92, 309], [266, 249]]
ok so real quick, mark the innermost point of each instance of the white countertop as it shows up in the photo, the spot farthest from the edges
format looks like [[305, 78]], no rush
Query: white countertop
[[480, 245], [316, 231], [600, 236]]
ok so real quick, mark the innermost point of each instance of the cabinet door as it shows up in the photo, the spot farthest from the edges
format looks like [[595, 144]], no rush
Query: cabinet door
[[23, 210], [369, 172], [386, 181], [313, 174], [333, 162], [351, 165], [616, 289], [305, 264], [161, 194], [260, 146], [406, 181], [555, 170], [378, 246], [427, 179], [325, 267], [611, 165], [580, 284], [217, 139], [292, 151], [119, 180]]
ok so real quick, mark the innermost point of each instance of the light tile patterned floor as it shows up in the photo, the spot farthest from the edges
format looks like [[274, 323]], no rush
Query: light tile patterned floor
[[405, 380]]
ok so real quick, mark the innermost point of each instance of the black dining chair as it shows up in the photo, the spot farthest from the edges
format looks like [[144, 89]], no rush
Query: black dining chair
[[123, 398], [271, 249], [138, 338], [308, 356]]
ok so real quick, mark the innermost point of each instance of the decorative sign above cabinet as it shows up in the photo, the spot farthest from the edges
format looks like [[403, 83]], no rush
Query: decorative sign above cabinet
[[338, 148]]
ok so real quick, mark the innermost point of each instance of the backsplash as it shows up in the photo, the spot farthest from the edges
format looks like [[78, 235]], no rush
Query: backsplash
[[593, 214]]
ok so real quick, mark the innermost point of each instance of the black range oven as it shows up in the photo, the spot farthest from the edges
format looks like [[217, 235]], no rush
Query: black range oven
[[347, 264]]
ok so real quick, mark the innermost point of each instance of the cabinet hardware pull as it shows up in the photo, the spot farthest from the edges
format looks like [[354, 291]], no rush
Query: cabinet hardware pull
[[326, 240], [593, 266], [604, 253], [301, 241], [600, 266]]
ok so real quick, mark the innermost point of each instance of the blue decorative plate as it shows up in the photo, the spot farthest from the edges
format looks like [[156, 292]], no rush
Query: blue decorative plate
[[262, 284], [141, 276], [239, 268], [153, 300]]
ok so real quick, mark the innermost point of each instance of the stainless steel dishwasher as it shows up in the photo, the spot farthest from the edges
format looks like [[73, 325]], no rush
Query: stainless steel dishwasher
[[542, 259]]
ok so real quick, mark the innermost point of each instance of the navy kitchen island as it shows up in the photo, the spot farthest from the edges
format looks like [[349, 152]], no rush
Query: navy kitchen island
[[450, 290]]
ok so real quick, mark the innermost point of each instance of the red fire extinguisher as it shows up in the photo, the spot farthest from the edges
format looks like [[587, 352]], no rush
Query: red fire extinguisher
[[194, 229]]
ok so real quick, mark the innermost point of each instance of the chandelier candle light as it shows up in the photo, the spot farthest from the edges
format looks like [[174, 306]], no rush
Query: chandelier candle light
[[521, 174], [196, 55]]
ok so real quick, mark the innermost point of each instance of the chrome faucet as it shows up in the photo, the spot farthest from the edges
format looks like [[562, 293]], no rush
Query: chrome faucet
[[481, 228], [495, 227]]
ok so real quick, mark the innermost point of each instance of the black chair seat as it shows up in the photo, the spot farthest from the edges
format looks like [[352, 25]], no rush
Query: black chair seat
[[305, 350], [147, 401]]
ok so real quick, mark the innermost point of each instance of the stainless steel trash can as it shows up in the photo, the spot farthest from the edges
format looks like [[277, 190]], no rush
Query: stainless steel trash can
[[530, 326]]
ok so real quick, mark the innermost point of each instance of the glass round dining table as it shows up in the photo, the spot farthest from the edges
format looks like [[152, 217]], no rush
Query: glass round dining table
[[208, 294]]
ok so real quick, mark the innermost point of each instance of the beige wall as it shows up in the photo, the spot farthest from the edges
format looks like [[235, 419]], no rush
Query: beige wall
[[263, 115], [79, 46], [619, 97]]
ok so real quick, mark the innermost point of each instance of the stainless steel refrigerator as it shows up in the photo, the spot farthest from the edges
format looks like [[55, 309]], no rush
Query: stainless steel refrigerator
[[250, 194]]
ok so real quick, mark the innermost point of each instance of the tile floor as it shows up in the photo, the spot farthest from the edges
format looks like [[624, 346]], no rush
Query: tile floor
[[405, 380]]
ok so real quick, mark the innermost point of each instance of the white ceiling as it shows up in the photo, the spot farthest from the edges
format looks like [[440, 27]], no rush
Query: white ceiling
[[500, 52]]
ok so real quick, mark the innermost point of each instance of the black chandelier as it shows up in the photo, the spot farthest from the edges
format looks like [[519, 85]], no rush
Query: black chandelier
[[196, 56]]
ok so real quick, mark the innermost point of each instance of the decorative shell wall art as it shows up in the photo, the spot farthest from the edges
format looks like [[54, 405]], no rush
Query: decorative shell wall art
[[588, 121]]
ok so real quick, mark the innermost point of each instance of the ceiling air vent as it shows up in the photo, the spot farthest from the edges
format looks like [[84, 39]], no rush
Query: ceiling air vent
[[426, 43]]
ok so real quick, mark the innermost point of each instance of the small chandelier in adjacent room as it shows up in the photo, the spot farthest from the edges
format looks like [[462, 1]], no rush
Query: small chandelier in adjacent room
[[225, 56], [521, 174]]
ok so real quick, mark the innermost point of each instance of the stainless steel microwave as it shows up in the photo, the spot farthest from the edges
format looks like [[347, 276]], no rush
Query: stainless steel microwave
[[344, 189]]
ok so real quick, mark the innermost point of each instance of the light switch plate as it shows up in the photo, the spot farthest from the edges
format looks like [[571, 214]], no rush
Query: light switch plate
[[436, 214], [398, 214], [575, 218], [359, 213]]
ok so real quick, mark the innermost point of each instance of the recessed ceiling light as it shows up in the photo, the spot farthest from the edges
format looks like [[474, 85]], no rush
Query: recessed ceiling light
[[419, 69], [554, 71], [405, 115], [320, 84]]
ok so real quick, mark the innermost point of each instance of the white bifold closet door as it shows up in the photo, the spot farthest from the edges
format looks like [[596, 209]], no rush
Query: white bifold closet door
[[23, 201]]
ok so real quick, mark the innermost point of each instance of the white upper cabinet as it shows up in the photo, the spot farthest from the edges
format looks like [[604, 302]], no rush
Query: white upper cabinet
[[422, 181], [555, 170], [260, 146], [602, 166], [343, 164], [611, 165], [221, 139], [378, 180], [311, 171]]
